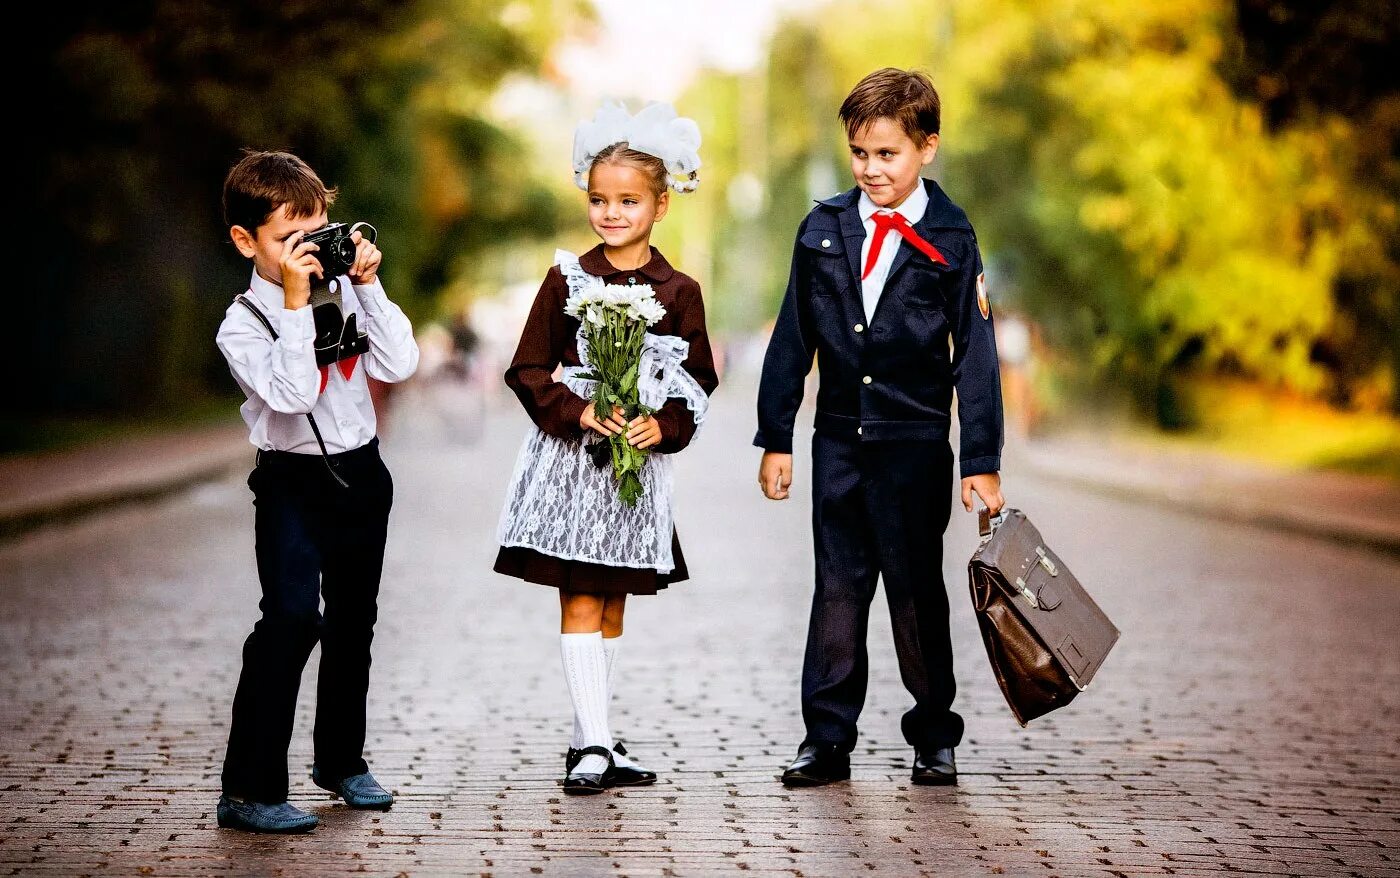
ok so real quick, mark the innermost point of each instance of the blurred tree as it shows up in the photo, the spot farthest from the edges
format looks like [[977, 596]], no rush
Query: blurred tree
[[1160, 226], [1148, 215], [1328, 65], [128, 267]]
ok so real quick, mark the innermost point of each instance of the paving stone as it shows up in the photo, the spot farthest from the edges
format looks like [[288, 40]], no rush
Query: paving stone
[[1244, 724]]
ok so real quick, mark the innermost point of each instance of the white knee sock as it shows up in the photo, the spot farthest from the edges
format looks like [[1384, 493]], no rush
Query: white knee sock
[[610, 647], [586, 673]]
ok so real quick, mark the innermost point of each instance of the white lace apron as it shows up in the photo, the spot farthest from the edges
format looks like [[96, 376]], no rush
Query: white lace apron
[[559, 503]]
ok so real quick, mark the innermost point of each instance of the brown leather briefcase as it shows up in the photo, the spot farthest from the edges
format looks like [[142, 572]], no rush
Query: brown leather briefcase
[[1045, 636]]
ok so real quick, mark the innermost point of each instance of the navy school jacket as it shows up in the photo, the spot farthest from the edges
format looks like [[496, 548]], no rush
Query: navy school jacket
[[895, 378]]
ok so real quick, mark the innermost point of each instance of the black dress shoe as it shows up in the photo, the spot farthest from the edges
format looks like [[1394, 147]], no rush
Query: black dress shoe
[[583, 783], [934, 767], [817, 764]]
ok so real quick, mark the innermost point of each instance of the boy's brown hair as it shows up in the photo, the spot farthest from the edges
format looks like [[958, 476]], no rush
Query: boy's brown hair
[[906, 96], [261, 182]]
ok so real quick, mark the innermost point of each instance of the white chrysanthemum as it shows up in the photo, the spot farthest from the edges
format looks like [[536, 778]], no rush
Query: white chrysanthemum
[[635, 302], [577, 303], [651, 311]]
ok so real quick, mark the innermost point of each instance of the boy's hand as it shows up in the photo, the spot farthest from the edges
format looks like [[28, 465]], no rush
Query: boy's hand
[[367, 259], [988, 487], [643, 432], [611, 427], [775, 475], [298, 264]]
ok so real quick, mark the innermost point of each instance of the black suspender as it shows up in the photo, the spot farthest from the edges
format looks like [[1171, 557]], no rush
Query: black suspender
[[316, 431]]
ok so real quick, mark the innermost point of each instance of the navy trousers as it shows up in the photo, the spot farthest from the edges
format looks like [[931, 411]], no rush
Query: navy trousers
[[879, 510], [314, 539]]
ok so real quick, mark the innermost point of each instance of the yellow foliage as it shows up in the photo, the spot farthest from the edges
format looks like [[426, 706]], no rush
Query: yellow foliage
[[1124, 195]]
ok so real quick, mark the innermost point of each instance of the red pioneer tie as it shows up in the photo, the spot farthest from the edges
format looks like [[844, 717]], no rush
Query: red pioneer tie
[[887, 222], [346, 367]]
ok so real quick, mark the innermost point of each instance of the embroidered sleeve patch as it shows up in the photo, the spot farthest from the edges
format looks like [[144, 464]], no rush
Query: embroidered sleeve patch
[[983, 304]]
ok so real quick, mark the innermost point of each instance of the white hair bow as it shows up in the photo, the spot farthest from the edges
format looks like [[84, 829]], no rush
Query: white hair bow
[[655, 130]]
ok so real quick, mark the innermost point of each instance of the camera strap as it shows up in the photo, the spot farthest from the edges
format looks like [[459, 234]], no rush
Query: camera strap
[[316, 431]]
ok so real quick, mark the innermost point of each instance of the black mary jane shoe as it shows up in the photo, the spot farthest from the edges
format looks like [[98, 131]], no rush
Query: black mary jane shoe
[[817, 765], [630, 775], [934, 766], [583, 783], [618, 775]]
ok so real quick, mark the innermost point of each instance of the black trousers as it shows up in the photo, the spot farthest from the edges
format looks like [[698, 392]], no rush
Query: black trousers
[[879, 510], [314, 538]]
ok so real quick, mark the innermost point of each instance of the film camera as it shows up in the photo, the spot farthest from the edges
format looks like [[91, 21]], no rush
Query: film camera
[[337, 338], [336, 251]]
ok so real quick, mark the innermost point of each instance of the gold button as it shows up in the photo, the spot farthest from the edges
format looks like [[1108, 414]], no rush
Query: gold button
[[826, 242], [867, 379], [860, 327]]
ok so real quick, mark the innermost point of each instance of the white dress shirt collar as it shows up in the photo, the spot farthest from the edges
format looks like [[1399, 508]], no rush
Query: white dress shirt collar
[[269, 295], [913, 207]]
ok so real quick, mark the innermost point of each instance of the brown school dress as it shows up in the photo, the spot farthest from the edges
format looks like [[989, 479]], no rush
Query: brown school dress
[[549, 339]]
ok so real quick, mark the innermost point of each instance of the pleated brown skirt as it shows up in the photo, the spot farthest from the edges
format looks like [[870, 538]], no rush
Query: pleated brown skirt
[[585, 578]]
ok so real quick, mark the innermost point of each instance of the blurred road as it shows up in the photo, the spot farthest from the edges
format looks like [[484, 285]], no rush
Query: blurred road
[[1245, 723]]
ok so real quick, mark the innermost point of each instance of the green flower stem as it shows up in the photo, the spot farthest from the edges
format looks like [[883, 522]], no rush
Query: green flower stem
[[615, 349]]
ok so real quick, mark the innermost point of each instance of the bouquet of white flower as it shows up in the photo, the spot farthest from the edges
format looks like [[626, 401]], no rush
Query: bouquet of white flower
[[615, 318]]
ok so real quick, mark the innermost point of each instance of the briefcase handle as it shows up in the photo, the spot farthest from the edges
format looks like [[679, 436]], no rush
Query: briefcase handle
[[988, 523]]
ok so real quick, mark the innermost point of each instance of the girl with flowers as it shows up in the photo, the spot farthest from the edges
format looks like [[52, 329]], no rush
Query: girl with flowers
[[588, 510]]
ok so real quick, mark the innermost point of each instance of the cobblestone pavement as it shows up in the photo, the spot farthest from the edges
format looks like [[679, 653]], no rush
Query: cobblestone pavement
[[1245, 723]]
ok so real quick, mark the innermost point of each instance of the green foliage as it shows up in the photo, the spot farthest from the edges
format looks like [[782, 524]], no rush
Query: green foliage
[[1160, 225], [129, 265], [1156, 218]]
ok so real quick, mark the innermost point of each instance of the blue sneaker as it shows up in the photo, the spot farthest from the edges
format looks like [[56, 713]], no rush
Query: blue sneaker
[[282, 817], [358, 790]]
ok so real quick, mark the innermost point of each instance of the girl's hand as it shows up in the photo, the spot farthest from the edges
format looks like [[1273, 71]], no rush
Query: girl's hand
[[643, 432], [367, 259], [611, 427], [988, 487]]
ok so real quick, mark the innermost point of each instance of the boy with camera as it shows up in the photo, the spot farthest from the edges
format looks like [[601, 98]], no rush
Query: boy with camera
[[314, 322]]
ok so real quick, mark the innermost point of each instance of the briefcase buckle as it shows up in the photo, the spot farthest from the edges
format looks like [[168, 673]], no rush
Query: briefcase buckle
[[1027, 593], [1046, 562]]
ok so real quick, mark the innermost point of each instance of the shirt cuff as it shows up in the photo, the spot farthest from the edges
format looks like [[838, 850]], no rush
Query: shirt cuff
[[297, 326], [774, 444], [372, 296], [976, 466]]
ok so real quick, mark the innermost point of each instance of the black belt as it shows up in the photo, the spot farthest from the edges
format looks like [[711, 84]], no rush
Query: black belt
[[272, 455]]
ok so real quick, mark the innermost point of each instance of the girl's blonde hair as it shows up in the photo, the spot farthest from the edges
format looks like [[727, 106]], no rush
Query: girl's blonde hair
[[621, 154]]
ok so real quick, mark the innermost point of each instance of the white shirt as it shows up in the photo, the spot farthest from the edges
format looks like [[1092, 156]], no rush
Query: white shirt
[[281, 378], [913, 210]]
